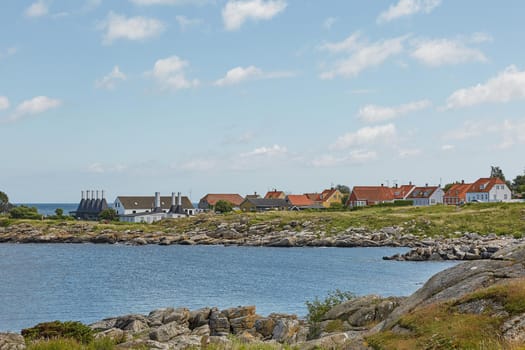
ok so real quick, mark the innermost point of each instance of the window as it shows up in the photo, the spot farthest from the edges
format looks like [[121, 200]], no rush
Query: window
[[505, 196]]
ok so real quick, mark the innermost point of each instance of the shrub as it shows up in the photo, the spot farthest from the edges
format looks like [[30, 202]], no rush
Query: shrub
[[54, 330], [108, 214], [24, 212], [223, 206], [318, 308]]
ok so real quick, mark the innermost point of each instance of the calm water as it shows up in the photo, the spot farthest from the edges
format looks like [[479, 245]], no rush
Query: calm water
[[41, 282], [49, 208]]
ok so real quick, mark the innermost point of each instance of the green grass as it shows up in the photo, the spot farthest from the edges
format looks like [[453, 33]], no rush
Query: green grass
[[442, 326], [498, 218], [71, 344]]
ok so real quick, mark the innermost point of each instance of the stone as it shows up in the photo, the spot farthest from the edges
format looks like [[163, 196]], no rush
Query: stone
[[143, 344], [168, 331], [103, 325], [185, 342], [132, 323], [265, 326], [334, 341], [156, 317], [203, 330], [514, 330], [219, 324], [180, 315], [240, 324], [116, 334], [286, 330], [12, 341], [199, 317], [240, 311]]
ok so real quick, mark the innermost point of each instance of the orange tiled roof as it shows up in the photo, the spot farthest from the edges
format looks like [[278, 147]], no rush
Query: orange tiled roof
[[274, 195], [485, 184], [458, 191], [373, 193], [316, 197], [299, 200], [422, 192], [402, 191], [233, 198]]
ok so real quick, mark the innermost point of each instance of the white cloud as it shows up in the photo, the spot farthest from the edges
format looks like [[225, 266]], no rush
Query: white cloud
[[439, 52], [506, 86], [36, 105], [185, 22], [363, 55], [166, 2], [481, 37], [365, 136], [100, 168], [354, 157], [199, 165], [236, 12], [448, 147], [4, 103], [273, 151], [170, 74], [468, 130], [405, 8], [133, 28], [406, 153], [329, 22], [37, 9], [110, 80], [238, 75], [373, 113], [512, 133]]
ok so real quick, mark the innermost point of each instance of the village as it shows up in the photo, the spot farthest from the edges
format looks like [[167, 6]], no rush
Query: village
[[148, 209]]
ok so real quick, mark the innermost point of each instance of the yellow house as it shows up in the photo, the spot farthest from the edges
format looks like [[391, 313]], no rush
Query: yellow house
[[327, 197]]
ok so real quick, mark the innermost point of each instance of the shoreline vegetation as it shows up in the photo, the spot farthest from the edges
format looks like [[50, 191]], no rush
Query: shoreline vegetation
[[470, 232], [473, 305]]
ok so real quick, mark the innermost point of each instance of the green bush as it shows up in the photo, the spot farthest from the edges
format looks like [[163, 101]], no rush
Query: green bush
[[56, 330], [109, 214], [24, 212], [223, 206], [318, 308]]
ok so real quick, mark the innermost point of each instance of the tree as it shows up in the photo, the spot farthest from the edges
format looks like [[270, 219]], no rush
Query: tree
[[4, 202], [59, 212], [447, 187], [343, 189], [24, 212], [223, 206], [109, 214], [495, 171], [518, 184]]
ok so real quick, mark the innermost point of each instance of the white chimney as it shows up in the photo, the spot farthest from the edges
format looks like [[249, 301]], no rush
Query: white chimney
[[173, 199], [179, 199], [157, 200]]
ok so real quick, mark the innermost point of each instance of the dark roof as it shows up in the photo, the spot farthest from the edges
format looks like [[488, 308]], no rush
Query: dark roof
[[423, 192], [91, 206], [148, 202], [268, 202]]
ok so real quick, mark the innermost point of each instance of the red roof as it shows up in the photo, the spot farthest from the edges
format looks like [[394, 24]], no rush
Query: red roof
[[299, 200], [373, 193], [274, 195], [403, 191], [485, 184], [316, 197], [234, 199], [458, 191], [423, 192]]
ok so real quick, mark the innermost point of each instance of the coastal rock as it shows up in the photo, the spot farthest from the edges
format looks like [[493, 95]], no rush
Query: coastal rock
[[202, 331], [132, 323], [168, 331], [286, 330], [12, 341], [103, 325], [514, 330], [143, 344], [199, 317], [265, 326], [113, 333], [219, 324], [185, 342], [334, 341]]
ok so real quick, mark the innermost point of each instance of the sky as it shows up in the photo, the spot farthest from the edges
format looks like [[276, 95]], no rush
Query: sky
[[243, 96]]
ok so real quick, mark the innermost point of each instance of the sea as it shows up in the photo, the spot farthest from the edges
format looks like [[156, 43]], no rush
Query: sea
[[88, 282], [47, 209]]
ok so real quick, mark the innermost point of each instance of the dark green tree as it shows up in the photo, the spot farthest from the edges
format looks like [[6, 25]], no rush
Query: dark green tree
[[4, 202], [59, 212], [343, 189], [109, 214], [24, 212], [495, 171], [518, 184], [223, 206]]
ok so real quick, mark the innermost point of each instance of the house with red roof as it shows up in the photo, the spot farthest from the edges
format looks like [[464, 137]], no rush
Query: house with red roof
[[327, 197], [489, 190], [275, 195], [456, 194], [428, 195], [301, 201], [402, 192], [208, 201], [362, 196]]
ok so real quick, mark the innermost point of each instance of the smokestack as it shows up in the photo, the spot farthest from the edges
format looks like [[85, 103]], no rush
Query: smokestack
[[97, 194], [92, 194], [179, 199], [173, 199], [102, 194], [157, 200], [87, 194], [82, 192], [426, 185]]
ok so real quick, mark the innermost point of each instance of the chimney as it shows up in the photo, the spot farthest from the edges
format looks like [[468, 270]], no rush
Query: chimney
[[410, 183], [382, 185], [87, 194], [462, 182], [92, 194], [426, 185], [102, 194], [173, 199], [179, 200], [97, 194], [157, 201], [82, 194]]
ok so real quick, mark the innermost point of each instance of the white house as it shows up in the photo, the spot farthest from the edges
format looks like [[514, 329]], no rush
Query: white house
[[428, 195], [154, 208], [489, 190]]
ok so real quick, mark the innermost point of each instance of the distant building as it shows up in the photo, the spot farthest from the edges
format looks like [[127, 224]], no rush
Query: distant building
[[150, 209], [301, 201], [90, 205], [489, 190], [362, 196], [428, 195], [275, 195], [263, 204], [456, 194], [208, 201], [327, 197], [252, 196]]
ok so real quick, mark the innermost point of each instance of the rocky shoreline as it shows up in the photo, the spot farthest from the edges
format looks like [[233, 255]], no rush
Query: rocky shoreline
[[465, 246]]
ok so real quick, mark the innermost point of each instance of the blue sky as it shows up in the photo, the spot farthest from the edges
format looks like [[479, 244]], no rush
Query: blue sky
[[199, 96]]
